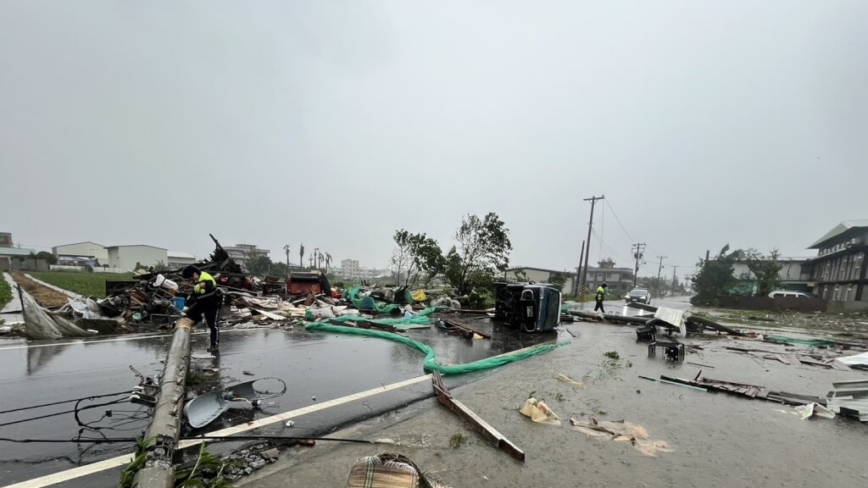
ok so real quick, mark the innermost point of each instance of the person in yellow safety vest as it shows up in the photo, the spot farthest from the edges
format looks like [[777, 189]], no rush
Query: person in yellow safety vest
[[204, 301], [601, 295]]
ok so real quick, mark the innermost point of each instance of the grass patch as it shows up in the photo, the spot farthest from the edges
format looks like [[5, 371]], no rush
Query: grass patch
[[457, 440], [83, 283], [5, 293]]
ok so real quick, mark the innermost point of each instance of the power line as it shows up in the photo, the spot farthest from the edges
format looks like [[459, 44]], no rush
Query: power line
[[609, 248], [602, 229], [619, 221]]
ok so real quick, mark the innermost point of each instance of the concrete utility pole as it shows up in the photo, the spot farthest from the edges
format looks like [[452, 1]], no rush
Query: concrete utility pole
[[638, 253], [593, 201], [659, 270], [579, 270], [674, 269], [162, 434]]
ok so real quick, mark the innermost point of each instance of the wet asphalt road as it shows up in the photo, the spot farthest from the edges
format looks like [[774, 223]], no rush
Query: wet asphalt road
[[719, 440], [314, 365]]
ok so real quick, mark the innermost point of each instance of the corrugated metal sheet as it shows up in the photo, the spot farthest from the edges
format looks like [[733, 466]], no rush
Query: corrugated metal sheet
[[849, 398], [673, 317]]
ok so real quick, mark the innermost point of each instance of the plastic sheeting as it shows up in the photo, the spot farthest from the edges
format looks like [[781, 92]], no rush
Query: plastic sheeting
[[430, 363], [417, 321], [40, 324], [855, 360]]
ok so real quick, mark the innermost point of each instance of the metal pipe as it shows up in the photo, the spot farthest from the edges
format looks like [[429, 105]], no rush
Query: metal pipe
[[165, 428]]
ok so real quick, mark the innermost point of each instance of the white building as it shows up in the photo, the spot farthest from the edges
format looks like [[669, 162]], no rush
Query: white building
[[540, 275], [350, 268], [82, 250], [176, 259], [242, 252], [126, 257]]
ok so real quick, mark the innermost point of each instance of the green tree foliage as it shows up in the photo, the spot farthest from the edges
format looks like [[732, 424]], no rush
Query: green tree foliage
[[416, 258], [559, 280], [765, 269], [715, 277], [483, 250], [258, 265], [161, 267], [520, 276], [47, 256], [278, 269]]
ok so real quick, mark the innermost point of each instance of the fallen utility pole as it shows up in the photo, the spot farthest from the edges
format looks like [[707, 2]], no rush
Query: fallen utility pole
[[481, 426], [165, 428]]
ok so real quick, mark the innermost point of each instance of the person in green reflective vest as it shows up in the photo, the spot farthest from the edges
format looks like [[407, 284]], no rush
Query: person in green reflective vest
[[601, 295], [204, 301]]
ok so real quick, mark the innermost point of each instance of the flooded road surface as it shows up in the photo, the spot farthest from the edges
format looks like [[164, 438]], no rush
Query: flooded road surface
[[719, 440], [314, 365]]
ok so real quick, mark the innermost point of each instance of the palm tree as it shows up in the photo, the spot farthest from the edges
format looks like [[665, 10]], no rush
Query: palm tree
[[301, 255], [328, 260], [286, 248]]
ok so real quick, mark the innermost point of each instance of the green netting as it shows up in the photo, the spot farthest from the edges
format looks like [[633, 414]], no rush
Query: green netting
[[418, 321], [795, 340], [368, 303], [430, 363]]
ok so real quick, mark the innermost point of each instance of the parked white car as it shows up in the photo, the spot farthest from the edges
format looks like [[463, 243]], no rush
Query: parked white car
[[785, 293]]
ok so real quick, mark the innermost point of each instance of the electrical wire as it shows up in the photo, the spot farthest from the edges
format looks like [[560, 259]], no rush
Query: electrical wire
[[619, 221], [608, 248], [74, 411], [92, 397], [602, 228], [128, 440]]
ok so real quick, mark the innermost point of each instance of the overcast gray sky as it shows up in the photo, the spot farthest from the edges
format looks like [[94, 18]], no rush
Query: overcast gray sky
[[335, 123]]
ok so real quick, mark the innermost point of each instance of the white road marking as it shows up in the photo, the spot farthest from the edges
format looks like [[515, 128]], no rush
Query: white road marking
[[70, 474], [119, 339]]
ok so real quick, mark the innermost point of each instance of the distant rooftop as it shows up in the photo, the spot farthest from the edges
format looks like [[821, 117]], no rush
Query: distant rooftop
[[177, 254], [840, 231], [76, 243], [137, 245], [15, 251]]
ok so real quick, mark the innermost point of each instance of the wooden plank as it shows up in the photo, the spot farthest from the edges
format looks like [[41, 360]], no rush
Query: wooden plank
[[462, 325], [839, 365], [479, 425]]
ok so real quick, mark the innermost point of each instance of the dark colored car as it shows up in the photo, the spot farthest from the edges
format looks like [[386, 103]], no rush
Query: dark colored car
[[638, 296]]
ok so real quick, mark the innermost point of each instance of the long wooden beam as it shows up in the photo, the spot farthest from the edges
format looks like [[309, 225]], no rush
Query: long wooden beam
[[482, 427]]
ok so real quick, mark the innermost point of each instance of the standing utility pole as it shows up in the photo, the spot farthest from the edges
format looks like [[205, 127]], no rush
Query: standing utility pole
[[593, 201], [286, 248], [579, 270], [658, 274], [638, 253], [674, 269]]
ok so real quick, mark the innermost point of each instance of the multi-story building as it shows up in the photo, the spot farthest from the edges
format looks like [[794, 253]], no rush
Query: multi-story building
[[350, 268], [795, 275], [839, 269], [242, 252], [619, 280], [541, 275]]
